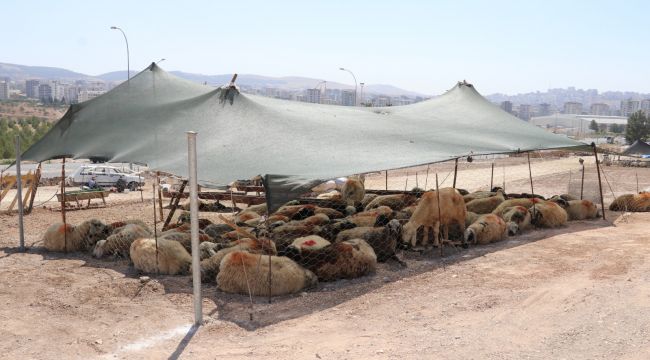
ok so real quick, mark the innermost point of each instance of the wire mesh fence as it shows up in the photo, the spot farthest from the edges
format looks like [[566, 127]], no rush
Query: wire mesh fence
[[384, 223]]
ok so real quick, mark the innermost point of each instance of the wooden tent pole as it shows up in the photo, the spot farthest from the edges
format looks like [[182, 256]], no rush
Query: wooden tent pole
[[582, 181], [600, 184], [160, 205], [386, 179], [175, 200], [492, 177], [455, 173], [36, 181], [530, 174]]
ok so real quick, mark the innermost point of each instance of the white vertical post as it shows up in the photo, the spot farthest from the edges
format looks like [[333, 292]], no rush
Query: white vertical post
[[194, 225], [19, 195]]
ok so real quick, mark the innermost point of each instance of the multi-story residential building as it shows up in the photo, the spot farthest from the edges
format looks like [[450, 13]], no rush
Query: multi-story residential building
[[572, 107], [599, 109], [645, 106], [85, 95], [58, 90], [507, 106], [31, 88], [348, 98], [4, 90], [629, 107], [524, 112], [45, 93], [544, 109], [72, 94], [313, 96]]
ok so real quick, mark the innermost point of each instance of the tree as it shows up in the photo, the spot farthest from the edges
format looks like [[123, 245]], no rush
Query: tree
[[616, 128], [593, 125], [638, 127]]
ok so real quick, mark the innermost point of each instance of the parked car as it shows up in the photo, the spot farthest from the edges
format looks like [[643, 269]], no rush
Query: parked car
[[106, 176]]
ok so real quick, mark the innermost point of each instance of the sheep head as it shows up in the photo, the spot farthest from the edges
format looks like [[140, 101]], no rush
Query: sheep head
[[513, 228]]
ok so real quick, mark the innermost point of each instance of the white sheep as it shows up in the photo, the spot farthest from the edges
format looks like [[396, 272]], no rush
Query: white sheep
[[171, 258], [60, 237], [119, 242]]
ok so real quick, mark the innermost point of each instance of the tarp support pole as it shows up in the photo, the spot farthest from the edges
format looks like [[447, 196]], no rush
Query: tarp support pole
[[194, 224], [155, 227], [582, 181], [65, 225], [35, 183], [160, 207], [174, 204], [530, 174], [455, 173], [600, 184], [386, 179], [492, 177], [636, 174], [19, 196]]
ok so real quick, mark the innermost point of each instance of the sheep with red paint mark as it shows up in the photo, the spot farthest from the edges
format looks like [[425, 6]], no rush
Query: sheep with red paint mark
[[83, 237]]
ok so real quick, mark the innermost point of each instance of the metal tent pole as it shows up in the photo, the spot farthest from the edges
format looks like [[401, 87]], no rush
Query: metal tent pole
[[600, 184], [530, 174], [582, 180], [194, 223], [492, 177], [65, 225], [19, 195], [386, 179]]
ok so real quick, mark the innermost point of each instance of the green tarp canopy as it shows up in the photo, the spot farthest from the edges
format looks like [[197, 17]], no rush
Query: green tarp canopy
[[637, 148], [144, 120]]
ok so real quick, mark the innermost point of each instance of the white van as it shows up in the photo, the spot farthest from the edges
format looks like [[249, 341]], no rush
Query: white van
[[105, 176]]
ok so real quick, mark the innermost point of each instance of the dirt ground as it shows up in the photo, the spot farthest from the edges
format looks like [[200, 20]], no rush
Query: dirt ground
[[578, 292]]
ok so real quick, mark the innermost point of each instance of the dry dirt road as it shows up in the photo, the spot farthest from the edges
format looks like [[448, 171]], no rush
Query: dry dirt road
[[580, 292]]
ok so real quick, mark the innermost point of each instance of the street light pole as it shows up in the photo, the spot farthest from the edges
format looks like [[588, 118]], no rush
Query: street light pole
[[361, 93], [355, 84], [128, 69]]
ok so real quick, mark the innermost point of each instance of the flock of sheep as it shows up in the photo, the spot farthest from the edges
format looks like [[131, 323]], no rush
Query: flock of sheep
[[300, 244]]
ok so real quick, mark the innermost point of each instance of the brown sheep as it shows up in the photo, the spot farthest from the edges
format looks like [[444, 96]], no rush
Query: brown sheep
[[369, 218], [83, 237], [241, 272], [632, 202], [581, 210], [395, 202], [481, 194], [428, 214], [171, 259], [519, 215], [342, 260], [548, 214], [470, 218], [383, 240], [352, 192], [488, 228], [485, 205], [119, 243], [311, 242], [367, 199], [525, 202]]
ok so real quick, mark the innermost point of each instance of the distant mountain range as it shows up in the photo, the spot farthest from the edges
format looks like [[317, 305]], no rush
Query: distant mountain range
[[23, 72]]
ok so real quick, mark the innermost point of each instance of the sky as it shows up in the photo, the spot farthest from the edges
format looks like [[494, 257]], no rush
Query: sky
[[426, 46]]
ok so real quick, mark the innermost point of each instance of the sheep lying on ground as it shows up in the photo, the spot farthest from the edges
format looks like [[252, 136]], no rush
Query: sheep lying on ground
[[395, 202], [342, 260], [548, 214], [352, 192], [83, 237], [383, 240], [525, 202], [487, 204], [210, 266], [311, 242], [519, 215], [331, 230], [367, 199], [119, 243], [171, 259], [470, 218], [241, 271], [118, 224], [369, 218], [432, 215], [488, 228], [580, 209], [632, 202], [481, 194]]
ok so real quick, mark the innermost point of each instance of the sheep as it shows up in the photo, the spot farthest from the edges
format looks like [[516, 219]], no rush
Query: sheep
[[470, 218], [242, 272], [353, 191], [118, 224], [342, 260], [632, 202], [383, 240], [580, 209], [485, 205], [119, 242], [208, 249], [245, 216], [367, 198], [519, 215], [311, 242], [395, 202], [565, 197], [66, 237], [330, 195], [210, 266], [260, 209], [215, 231], [331, 213], [525, 202], [548, 214], [171, 258], [331, 230], [317, 219], [488, 228], [184, 238], [432, 214], [369, 218], [482, 194]]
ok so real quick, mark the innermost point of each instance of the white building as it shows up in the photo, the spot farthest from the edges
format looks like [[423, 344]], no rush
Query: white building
[[313, 96], [85, 95], [629, 107], [4, 90], [572, 107], [348, 98], [573, 124]]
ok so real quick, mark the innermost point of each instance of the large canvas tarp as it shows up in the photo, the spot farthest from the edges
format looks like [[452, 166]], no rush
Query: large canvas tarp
[[145, 119], [638, 148]]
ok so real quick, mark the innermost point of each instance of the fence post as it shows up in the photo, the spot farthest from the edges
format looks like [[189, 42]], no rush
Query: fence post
[[19, 195], [194, 224], [455, 173], [600, 184], [65, 225]]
